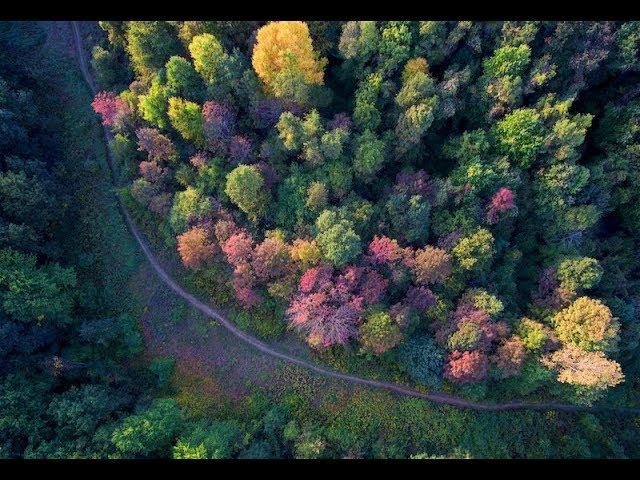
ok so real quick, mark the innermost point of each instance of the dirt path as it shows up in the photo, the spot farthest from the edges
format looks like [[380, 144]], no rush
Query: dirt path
[[261, 346]]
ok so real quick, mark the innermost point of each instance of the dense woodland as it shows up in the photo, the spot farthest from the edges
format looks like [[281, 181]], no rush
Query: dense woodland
[[448, 205]]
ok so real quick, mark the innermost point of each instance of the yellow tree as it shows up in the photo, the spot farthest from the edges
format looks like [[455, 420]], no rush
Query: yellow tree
[[588, 324], [306, 253], [282, 46], [587, 369]]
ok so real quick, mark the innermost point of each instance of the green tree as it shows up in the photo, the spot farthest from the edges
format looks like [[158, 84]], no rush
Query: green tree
[[186, 118], [187, 204], [520, 136], [336, 238], [366, 115], [394, 46], [379, 332], [245, 188], [150, 432], [577, 274], [35, 294], [474, 252], [154, 104], [208, 56], [182, 80], [111, 73], [150, 45], [370, 156], [423, 359], [409, 217], [209, 439]]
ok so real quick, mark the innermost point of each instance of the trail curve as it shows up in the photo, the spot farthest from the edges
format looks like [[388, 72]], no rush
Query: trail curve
[[214, 313]]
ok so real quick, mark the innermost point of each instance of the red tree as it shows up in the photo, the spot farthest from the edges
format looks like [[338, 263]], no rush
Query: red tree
[[466, 367], [109, 106], [195, 248], [549, 293], [224, 229], [431, 265], [509, 356], [161, 203]]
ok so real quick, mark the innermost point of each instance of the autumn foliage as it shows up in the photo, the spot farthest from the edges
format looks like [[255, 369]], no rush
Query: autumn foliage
[[109, 107], [195, 248], [466, 367], [456, 194], [328, 305], [285, 45]]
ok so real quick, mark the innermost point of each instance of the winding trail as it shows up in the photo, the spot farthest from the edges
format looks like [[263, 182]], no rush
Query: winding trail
[[261, 346]]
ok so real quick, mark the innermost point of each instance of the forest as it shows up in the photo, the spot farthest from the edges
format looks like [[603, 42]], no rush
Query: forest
[[443, 205]]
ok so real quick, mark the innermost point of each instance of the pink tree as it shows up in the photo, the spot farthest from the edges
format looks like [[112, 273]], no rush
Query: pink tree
[[420, 298], [199, 160], [464, 315], [385, 250], [501, 202], [395, 261], [151, 171], [240, 149], [109, 106], [219, 123], [341, 120], [327, 308], [238, 248], [414, 183], [550, 293], [158, 147]]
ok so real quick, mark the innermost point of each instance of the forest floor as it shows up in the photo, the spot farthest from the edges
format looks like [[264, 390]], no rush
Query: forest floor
[[214, 358]]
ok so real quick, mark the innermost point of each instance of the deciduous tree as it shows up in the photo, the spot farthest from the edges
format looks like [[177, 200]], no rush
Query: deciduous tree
[[186, 118], [379, 332], [245, 188], [588, 324], [466, 367], [195, 248], [208, 56], [588, 369], [150, 45], [285, 45], [431, 265]]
